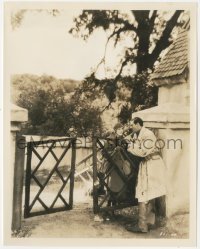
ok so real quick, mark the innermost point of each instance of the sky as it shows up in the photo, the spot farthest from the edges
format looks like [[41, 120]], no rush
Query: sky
[[43, 45]]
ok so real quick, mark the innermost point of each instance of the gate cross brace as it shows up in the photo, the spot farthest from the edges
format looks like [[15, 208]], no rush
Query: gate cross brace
[[60, 190], [58, 172], [41, 161], [109, 158], [51, 173], [113, 166], [42, 203], [108, 194]]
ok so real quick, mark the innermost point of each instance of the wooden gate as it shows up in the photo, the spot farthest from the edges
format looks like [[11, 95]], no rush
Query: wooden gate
[[49, 188], [110, 200]]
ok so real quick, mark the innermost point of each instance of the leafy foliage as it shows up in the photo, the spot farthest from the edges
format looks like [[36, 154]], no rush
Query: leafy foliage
[[52, 108], [18, 16]]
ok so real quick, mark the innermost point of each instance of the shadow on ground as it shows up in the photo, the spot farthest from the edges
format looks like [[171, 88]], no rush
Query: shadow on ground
[[80, 223]]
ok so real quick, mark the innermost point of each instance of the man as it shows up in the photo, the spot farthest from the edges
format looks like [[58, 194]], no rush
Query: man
[[151, 175]]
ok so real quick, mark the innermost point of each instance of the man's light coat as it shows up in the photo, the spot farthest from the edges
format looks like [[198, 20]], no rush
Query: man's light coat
[[152, 170]]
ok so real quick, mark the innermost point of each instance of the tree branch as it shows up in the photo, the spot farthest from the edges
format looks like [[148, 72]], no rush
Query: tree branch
[[115, 32], [164, 39], [121, 68], [124, 63], [106, 107], [151, 21], [140, 15], [153, 17]]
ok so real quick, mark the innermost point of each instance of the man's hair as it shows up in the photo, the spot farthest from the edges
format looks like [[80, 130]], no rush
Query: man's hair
[[138, 120]]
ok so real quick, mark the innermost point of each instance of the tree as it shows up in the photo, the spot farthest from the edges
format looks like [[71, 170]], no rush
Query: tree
[[52, 108], [150, 32]]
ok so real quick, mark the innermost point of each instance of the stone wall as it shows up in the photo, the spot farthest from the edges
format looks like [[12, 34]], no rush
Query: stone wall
[[178, 93], [83, 150], [176, 158]]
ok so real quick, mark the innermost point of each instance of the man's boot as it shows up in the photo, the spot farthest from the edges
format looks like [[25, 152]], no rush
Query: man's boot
[[141, 227], [151, 215]]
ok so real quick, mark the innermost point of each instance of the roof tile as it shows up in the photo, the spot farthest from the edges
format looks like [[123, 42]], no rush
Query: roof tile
[[175, 61]]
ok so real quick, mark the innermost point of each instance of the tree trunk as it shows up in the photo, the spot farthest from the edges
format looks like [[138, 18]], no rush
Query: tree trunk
[[143, 45], [144, 30], [142, 64]]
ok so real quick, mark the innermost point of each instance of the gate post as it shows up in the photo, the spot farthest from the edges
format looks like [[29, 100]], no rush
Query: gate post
[[18, 182], [16, 169], [95, 196]]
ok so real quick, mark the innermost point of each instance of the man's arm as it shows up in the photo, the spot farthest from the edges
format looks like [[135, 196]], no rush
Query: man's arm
[[143, 148]]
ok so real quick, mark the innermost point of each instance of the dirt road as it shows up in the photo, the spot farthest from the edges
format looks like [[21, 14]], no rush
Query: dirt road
[[82, 223]]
